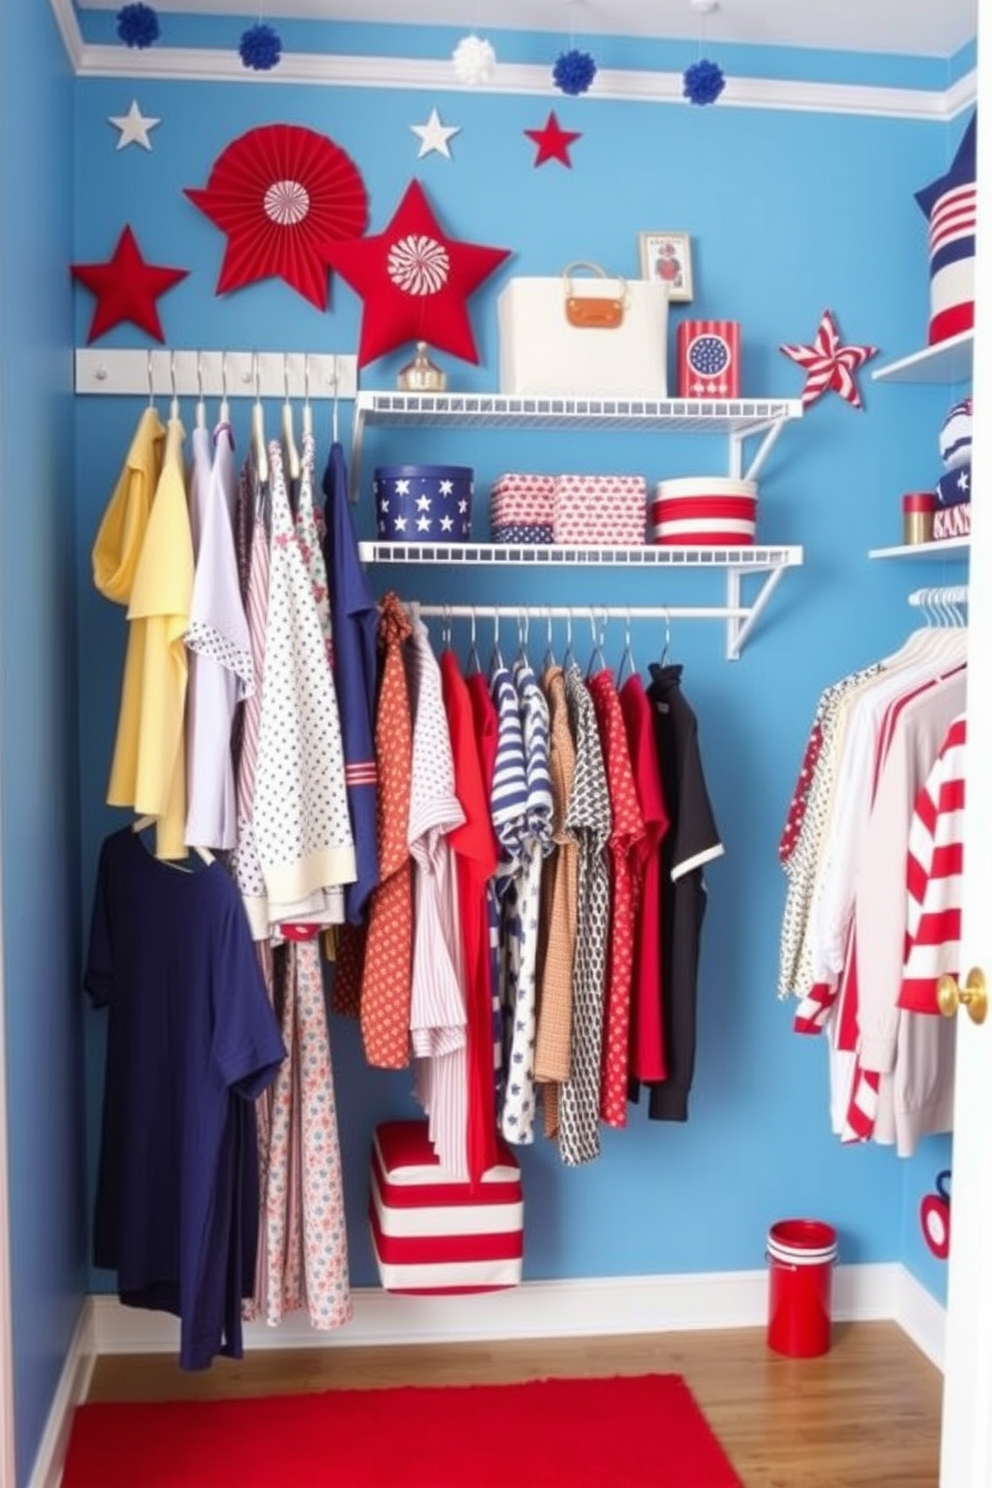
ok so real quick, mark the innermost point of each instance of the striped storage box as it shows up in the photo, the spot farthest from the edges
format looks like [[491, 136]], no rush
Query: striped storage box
[[432, 1233], [600, 510], [712, 510]]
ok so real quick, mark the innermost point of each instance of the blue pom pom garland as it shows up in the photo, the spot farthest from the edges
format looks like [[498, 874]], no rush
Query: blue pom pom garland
[[137, 25], [703, 82], [260, 47], [574, 71]]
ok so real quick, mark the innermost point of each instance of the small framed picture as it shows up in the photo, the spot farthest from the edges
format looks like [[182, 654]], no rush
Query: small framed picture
[[668, 256]]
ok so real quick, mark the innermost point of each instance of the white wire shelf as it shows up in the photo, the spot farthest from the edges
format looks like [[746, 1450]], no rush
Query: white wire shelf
[[739, 613], [946, 361], [506, 410], [744, 558]]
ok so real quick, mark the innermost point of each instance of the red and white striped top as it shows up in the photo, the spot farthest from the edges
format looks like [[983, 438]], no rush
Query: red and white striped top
[[934, 879]]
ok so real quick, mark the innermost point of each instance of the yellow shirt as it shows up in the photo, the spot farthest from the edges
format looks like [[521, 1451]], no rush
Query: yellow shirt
[[149, 767], [116, 549]]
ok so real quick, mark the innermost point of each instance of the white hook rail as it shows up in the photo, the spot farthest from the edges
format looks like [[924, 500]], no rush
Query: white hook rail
[[231, 374]]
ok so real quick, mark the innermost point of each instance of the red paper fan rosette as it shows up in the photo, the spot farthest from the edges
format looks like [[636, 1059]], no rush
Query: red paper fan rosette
[[280, 192]]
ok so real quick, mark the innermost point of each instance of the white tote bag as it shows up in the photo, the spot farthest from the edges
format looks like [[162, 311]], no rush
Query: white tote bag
[[584, 335]]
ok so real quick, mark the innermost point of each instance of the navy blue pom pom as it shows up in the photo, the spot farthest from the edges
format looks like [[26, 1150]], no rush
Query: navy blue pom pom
[[703, 82], [574, 71], [260, 47], [137, 25]]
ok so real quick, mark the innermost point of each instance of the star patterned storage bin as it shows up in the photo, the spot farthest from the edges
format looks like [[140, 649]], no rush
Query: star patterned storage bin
[[434, 1233], [423, 503]]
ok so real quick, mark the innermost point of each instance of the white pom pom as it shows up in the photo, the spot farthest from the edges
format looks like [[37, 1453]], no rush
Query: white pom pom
[[474, 59]]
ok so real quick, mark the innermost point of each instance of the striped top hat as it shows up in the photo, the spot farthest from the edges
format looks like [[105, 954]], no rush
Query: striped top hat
[[949, 206]]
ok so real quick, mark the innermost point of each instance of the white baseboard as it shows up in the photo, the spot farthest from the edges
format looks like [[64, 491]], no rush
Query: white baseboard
[[73, 1385], [594, 1306], [921, 1317], [591, 1307]]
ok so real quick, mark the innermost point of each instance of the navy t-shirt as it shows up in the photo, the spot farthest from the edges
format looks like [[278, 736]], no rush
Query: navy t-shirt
[[191, 1041]]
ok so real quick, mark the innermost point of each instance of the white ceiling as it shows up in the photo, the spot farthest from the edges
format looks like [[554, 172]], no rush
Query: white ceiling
[[932, 28]]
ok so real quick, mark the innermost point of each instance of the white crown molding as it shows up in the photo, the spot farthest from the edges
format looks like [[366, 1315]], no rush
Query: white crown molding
[[72, 37], [186, 64]]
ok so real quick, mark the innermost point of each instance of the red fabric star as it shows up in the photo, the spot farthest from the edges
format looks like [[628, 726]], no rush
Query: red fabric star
[[414, 281], [126, 288], [552, 141], [280, 192], [830, 365]]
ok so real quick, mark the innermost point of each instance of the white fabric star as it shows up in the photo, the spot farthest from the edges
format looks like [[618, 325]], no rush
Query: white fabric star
[[134, 127], [434, 136]]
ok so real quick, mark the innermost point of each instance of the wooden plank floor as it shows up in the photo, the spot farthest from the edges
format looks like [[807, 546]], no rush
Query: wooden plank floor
[[865, 1415]]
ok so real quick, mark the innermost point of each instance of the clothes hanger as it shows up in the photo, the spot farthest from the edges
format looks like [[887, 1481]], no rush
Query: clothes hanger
[[142, 823], [472, 664], [174, 400], [151, 381], [201, 407], [569, 658], [496, 663], [224, 412], [334, 404], [596, 655], [290, 451], [307, 410], [548, 659], [258, 427], [523, 630], [627, 659]]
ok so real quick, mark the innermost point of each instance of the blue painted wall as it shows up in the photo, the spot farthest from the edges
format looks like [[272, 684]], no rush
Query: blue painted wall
[[39, 782], [789, 214]]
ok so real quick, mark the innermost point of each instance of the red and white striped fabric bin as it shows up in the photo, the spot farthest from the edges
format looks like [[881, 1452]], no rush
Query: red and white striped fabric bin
[[600, 510], [715, 511], [432, 1233]]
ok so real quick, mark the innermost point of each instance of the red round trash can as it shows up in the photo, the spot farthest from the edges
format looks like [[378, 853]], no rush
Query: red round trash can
[[801, 1256]]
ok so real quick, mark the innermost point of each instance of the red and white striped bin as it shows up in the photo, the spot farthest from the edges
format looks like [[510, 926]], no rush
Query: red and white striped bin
[[435, 1234], [711, 510]]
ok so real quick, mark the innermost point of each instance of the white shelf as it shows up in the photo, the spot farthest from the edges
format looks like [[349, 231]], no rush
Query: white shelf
[[505, 410], [947, 361], [745, 558], [738, 419], [947, 547], [740, 614]]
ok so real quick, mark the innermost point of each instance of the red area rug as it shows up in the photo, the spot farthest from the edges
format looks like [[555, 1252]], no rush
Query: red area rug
[[643, 1431]]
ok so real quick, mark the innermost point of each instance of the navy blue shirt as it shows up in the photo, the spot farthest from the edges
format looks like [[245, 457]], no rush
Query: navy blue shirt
[[191, 1041]]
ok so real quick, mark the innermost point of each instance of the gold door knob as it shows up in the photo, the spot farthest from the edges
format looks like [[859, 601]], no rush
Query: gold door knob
[[975, 996]]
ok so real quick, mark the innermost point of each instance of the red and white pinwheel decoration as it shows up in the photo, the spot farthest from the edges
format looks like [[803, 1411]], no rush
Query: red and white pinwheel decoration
[[281, 194], [829, 364]]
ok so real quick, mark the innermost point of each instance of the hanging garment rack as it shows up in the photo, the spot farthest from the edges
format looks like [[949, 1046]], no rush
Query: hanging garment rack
[[192, 373], [739, 618]]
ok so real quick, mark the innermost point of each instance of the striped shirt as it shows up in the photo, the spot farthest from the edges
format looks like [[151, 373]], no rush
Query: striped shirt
[[934, 876]]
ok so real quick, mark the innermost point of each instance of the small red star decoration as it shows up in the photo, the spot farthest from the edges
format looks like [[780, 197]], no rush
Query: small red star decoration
[[126, 288], [552, 141], [828, 364], [414, 281]]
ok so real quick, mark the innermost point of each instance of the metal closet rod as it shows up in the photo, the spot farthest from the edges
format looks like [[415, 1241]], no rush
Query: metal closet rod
[[578, 612]]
